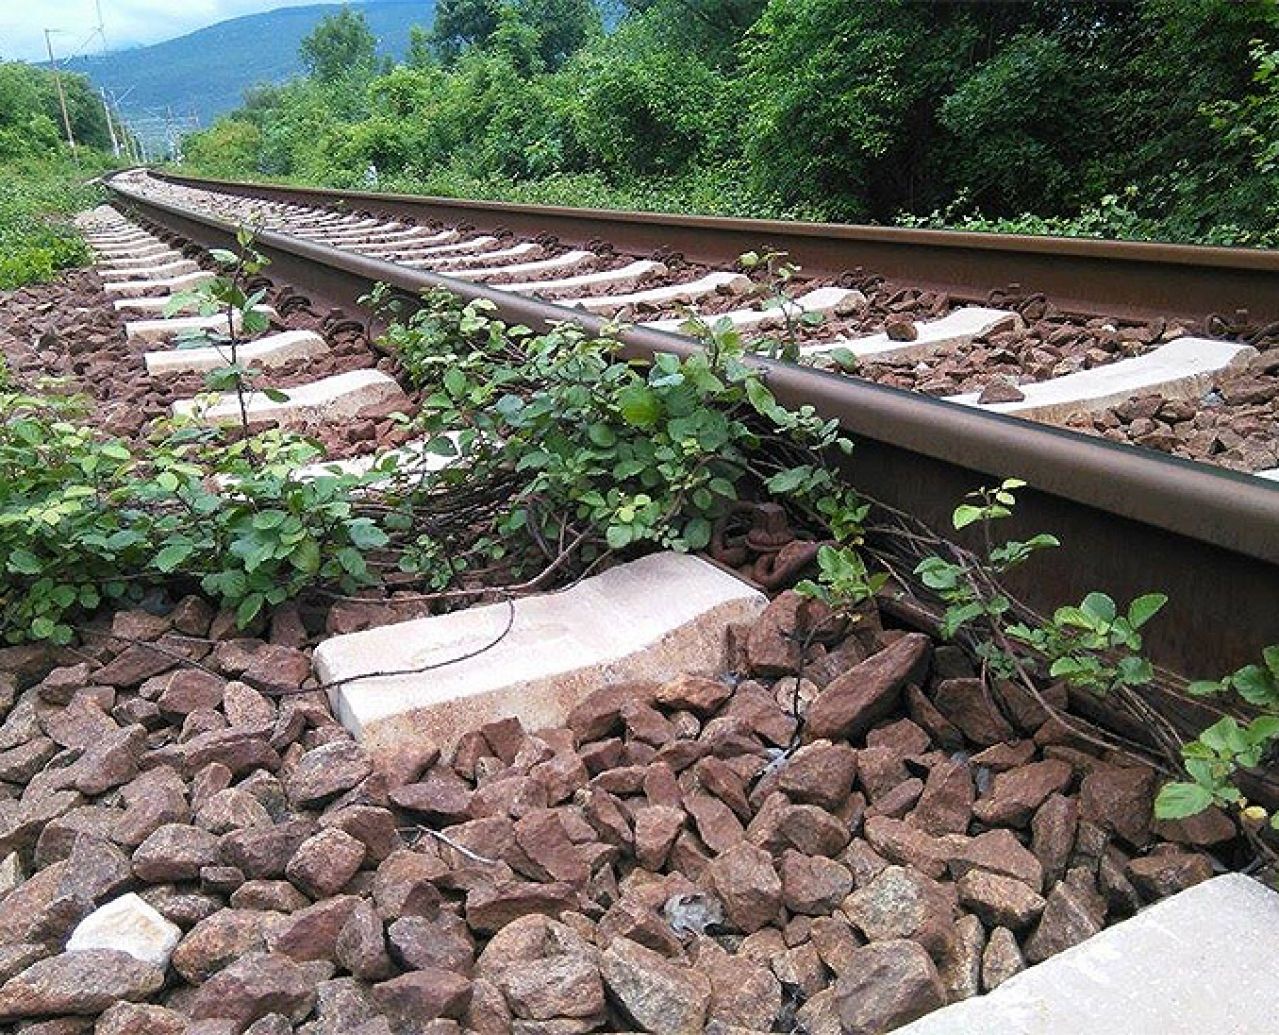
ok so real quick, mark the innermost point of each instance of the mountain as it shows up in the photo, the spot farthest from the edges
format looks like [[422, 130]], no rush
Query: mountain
[[205, 73]]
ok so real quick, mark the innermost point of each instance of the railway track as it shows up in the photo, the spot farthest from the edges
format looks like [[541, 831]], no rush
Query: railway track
[[1124, 512], [514, 834]]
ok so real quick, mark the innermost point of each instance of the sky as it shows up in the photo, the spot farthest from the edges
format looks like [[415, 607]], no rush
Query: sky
[[126, 22]]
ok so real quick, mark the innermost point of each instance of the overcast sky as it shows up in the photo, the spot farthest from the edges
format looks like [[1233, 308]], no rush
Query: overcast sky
[[22, 22]]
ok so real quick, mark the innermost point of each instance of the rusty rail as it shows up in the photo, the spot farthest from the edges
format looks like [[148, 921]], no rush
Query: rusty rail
[[1131, 520], [1122, 278]]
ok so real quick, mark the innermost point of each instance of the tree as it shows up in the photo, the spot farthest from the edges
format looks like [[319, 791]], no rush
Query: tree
[[463, 23], [563, 26], [342, 44]]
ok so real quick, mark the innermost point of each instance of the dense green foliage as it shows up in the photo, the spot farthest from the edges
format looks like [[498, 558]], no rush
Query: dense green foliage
[[1155, 119], [39, 180]]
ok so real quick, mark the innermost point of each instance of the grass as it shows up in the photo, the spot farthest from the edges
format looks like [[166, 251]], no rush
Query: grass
[[37, 197]]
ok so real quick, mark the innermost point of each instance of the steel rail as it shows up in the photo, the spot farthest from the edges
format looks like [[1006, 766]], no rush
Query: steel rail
[[1122, 278], [1131, 520]]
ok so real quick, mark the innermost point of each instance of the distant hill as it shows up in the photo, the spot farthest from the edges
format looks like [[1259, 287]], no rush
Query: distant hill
[[206, 72]]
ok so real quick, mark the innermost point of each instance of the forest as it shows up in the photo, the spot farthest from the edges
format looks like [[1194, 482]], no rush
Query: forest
[[1154, 119]]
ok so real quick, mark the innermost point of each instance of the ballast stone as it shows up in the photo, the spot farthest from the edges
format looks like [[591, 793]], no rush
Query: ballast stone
[[128, 924], [651, 619], [1201, 960]]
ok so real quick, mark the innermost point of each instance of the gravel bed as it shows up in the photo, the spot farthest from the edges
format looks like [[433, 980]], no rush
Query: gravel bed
[[69, 329], [660, 863]]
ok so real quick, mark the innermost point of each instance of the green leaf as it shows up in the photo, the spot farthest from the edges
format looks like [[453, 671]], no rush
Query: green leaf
[[455, 382], [172, 555], [965, 515], [1099, 606], [248, 609], [1144, 608], [24, 562], [352, 561], [618, 536], [1180, 800], [639, 406], [275, 395]]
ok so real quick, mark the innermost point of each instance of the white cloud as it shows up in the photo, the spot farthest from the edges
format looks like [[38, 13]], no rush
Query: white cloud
[[126, 22]]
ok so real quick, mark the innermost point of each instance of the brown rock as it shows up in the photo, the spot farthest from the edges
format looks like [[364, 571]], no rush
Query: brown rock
[[327, 771], [695, 693], [62, 684], [946, 804], [1001, 960], [264, 852], [715, 822], [900, 843], [813, 885], [546, 971], [138, 1019], [132, 665], [1053, 832], [965, 703], [361, 945], [600, 714], [744, 994], [84, 982], [745, 881], [1120, 800], [372, 826], [175, 852], [1000, 852], [774, 645], [850, 705], [820, 773], [901, 903], [491, 907], [1017, 793], [887, 984], [240, 750], [324, 863], [656, 828], [231, 809], [1158, 876], [187, 689], [1074, 912], [656, 994], [999, 901], [1210, 827], [274, 896], [442, 942], [155, 798], [404, 885], [96, 870], [1000, 390], [423, 995], [441, 796], [312, 933], [812, 830], [218, 941], [254, 986]]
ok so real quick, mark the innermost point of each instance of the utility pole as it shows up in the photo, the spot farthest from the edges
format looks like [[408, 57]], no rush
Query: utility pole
[[115, 141], [57, 79]]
